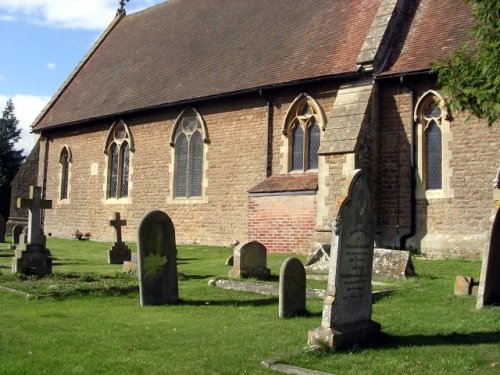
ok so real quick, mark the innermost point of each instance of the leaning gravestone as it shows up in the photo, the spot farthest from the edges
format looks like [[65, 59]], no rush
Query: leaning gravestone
[[250, 260], [157, 255], [16, 233], [119, 252], [489, 284], [292, 290], [2, 229], [347, 307], [32, 257]]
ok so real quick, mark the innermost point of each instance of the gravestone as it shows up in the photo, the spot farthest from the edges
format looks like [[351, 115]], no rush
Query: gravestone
[[119, 252], [32, 257], [489, 284], [131, 267], [2, 228], [394, 264], [157, 255], [292, 289], [463, 285], [250, 260], [16, 233], [347, 308]]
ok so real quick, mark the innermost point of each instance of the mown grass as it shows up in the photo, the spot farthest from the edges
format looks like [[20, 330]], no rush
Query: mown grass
[[97, 326]]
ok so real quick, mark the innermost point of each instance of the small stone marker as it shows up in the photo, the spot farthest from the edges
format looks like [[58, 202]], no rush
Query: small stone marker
[[131, 267], [464, 285], [32, 258], [157, 255], [250, 260], [119, 252], [16, 233], [395, 264], [2, 228], [292, 294], [489, 284], [347, 307]]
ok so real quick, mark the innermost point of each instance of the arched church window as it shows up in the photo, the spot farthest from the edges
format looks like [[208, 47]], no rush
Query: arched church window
[[119, 145], [303, 124], [188, 139], [64, 160]]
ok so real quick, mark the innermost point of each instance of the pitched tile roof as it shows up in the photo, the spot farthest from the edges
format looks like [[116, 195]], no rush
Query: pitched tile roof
[[182, 50], [436, 28], [287, 183]]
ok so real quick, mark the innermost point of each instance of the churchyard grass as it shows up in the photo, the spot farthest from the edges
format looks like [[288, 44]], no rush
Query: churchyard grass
[[99, 327]]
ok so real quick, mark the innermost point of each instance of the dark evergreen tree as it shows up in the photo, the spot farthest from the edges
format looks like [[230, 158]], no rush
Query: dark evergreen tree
[[471, 76], [10, 158]]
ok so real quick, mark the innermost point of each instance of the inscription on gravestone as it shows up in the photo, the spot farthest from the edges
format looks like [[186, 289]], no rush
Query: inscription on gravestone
[[157, 255], [347, 307]]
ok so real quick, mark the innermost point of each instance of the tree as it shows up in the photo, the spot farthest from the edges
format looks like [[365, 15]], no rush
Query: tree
[[10, 159], [471, 76]]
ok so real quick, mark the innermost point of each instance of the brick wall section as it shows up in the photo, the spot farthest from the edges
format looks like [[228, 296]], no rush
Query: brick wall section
[[283, 223]]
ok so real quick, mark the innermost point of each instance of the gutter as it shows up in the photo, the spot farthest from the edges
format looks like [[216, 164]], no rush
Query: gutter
[[269, 144]]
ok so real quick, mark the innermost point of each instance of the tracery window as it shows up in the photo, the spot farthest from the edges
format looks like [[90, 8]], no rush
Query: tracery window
[[303, 124], [64, 160], [118, 150], [188, 139]]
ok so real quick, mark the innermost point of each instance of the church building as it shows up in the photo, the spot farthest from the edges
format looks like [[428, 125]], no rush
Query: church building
[[242, 120]]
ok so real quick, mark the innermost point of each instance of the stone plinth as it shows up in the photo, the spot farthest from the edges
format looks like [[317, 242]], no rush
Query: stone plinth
[[345, 335], [119, 253], [34, 260]]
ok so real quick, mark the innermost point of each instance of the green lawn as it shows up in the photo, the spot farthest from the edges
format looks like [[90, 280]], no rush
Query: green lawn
[[88, 321]]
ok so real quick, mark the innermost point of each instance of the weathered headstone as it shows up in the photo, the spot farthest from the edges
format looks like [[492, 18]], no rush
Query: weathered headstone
[[489, 284], [463, 285], [131, 267], [16, 233], [347, 307], [157, 255], [2, 228], [292, 290], [119, 252], [392, 264], [33, 258], [250, 260]]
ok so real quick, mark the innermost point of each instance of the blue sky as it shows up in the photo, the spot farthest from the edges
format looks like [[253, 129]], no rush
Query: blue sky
[[41, 42]]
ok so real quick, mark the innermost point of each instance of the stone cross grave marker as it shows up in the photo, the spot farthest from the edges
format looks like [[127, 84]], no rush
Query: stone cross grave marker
[[33, 258], [16, 233], [250, 260], [2, 228], [119, 252], [157, 253], [292, 288], [347, 308], [489, 283]]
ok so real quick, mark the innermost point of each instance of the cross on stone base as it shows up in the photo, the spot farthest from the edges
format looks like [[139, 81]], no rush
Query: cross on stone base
[[118, 224], [119, 252]]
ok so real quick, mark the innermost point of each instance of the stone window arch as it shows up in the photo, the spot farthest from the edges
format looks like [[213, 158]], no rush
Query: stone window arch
[[433, 138], [65, 160], [188, 139], [303, 124], [118, 148]]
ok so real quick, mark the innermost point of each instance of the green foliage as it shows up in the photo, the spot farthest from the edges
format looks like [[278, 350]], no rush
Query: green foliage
[[10, 159], [471, 76]]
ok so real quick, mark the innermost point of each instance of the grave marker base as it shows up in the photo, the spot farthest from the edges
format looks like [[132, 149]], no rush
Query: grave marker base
[[35, 260], [119, 253], [345, 335]]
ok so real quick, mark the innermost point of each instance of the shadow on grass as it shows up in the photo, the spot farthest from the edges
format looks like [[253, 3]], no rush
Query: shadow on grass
[[183, 277], [474, 338], [65, 263], [232, 303]]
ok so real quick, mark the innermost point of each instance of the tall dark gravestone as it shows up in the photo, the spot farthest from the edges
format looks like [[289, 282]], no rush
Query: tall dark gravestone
[[489, 284], [347, 308], [157, 255], [2, 228]]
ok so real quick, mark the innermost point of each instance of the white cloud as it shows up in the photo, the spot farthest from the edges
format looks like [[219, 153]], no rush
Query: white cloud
[[50, 66], [26, 109], [70, 14], [7, 18]]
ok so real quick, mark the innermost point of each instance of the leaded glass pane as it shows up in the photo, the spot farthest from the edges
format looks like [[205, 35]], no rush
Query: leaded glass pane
[[433, 156], [314, 139], [113, 177], [433, 111], [298, 149], [181, 165], [195, 165], [64, 174], [125, 167]]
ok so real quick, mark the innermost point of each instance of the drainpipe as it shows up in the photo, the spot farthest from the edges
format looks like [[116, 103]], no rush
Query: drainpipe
[[44, 176], [269, 144], [413, 182]]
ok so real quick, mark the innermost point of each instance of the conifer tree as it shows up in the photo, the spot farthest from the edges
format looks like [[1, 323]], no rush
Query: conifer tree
[[471, 76], [10, 158]]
